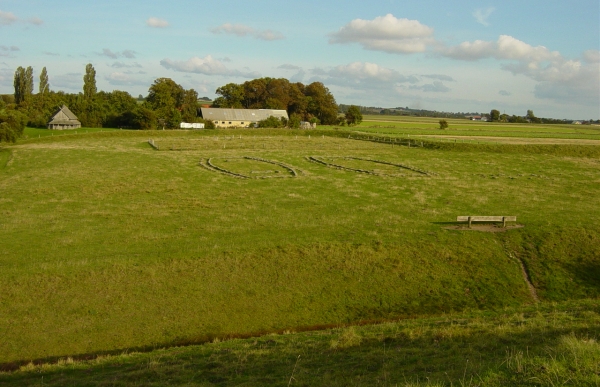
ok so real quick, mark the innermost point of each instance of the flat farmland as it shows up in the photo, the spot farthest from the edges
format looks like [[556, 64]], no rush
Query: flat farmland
[[398, 125], [110, 244]]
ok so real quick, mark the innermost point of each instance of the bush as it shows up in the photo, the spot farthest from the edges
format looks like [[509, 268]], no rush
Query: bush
[[12, 124], [144, 118], [443, 124], [272, 122], [294, 121]]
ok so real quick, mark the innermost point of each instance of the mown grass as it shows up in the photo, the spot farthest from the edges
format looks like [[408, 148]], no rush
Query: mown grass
[[109, 244], [542, 345], [31, 133]]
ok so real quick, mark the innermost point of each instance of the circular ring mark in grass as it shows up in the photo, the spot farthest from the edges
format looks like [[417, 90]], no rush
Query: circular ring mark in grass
[[259, 173], [320, 160]]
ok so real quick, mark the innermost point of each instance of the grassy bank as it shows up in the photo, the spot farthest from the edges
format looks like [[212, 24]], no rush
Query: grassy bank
[[110, 244], [543, 345]]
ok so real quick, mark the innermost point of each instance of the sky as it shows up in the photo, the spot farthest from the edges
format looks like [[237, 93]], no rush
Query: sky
[[458, 56]]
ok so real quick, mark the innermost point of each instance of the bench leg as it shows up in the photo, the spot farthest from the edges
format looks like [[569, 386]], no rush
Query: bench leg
[[503, 222], [469, 222]]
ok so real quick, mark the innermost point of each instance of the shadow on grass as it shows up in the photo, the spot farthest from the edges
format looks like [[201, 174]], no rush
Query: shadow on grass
[[186, 342], [433, 354], [587, 275]]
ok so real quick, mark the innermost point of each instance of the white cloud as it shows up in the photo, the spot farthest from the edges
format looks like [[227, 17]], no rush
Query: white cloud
[[368, 71], [386, 33], [130, 54], [298, 77], [155, 22], [242, 30], [578, 84], [109, 53], [435, 87], [288, 66], [8, 51], [36, 21], [558, 78], [207, 66], [506, 47], [481, 15], [440, 77], [71, 81], [7, 18], [233, 29], [591, 56], [6, 76], [120, 65], [362, 76], [123, 79], [51, 53], [504, 93]]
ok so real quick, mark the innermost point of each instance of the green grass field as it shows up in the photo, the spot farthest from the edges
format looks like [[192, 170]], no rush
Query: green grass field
[[109, 244]]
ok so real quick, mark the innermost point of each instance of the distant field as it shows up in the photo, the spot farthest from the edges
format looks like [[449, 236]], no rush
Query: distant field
[[110, 244], [394, 125]]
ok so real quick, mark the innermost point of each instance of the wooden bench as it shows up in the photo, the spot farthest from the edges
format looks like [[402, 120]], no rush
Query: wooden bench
[[471, 219]]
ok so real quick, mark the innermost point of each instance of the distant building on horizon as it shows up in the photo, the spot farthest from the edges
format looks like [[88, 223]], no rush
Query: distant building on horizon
[[64, 119], [239, 118]]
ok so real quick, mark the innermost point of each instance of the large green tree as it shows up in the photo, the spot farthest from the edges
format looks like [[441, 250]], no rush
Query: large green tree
[[321, 103], [44, 85], [494, 115], [353, 115], [231, 96], [89, 82], [23, 84], [165, 98], [312, 102], [189, 106], [531, 117]]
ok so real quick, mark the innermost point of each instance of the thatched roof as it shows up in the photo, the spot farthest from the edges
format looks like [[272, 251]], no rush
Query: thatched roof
[[64, 116]]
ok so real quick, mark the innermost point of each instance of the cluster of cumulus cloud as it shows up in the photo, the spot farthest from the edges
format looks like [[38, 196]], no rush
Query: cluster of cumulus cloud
[[8, 18], [557, 76]]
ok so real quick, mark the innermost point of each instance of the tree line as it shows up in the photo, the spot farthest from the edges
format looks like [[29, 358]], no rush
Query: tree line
[[313, 102], [165, 107]]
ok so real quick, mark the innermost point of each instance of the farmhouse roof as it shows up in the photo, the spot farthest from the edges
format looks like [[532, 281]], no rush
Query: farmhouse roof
[[64, 116], [250, 115]]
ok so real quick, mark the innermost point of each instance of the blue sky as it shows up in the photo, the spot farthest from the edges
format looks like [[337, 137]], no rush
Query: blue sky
[[454, 56]]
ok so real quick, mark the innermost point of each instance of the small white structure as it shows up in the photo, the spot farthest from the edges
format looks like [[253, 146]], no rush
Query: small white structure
[[307, 125], [193, 125]]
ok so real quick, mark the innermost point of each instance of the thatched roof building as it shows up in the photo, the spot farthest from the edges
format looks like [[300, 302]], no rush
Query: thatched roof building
[[64, 119]]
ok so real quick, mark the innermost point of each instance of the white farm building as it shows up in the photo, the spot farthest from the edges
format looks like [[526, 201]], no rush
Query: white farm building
[[239, 118]]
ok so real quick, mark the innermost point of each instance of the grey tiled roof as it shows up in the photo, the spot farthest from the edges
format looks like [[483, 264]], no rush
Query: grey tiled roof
[[250, 115]]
